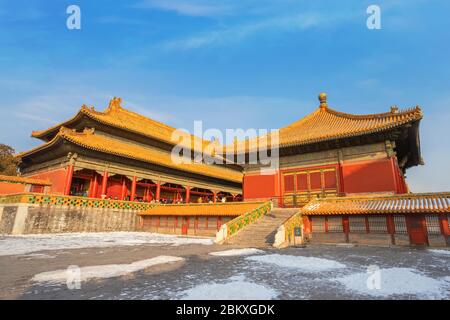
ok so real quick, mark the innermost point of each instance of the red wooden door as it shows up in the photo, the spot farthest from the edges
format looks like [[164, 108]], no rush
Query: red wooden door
[[185, 225], [417, 230]]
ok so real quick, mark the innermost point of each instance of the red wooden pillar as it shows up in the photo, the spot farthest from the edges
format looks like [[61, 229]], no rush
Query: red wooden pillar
[[94, 186], [124, 190], [158, 190], [391, 227], [341, 178], [214, 196], [443, 219], [346, 227], [133, 189], [367, 224], [188, 194], [104, 182], [68, 180]]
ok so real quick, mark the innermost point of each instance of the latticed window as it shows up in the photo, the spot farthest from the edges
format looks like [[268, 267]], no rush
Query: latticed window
[[357, 224], [377, 224], [318, 224], [335, 224], [433, 226], [400, 224]]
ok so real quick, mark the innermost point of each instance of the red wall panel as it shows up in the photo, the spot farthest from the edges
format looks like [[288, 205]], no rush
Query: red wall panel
[[302, 182], [370, 176], [8, 187], [56, 177], [114, 189], [260, 186]]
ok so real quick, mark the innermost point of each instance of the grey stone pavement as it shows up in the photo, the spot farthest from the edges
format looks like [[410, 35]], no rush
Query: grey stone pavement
[[411, 273]]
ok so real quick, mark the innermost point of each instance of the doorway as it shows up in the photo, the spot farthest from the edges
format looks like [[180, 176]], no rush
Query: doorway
[[417, 230]]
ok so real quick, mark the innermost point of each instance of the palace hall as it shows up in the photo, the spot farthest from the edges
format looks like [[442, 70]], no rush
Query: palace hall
[[340, 177], [118, 154]]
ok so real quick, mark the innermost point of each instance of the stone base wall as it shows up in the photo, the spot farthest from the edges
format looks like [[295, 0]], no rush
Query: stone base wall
[[375, 239], [178, 231], [18, 219], [437, 240], [338, 237], [401, 239], [381, 239]]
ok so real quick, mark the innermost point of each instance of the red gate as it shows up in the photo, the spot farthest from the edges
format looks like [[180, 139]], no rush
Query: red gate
[[417, 230]]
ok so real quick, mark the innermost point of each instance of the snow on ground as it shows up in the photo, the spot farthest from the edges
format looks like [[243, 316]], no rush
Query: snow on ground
[[440, 252], [394, 281], [237, 252], [101, 271], [23, 244], [235, 288], [306, 264]]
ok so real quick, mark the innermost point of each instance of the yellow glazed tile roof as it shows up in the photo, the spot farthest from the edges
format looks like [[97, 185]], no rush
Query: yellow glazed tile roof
[[24, 180], [206, 209], [325, 124], [119, 117], [88, 139], [404, 203]]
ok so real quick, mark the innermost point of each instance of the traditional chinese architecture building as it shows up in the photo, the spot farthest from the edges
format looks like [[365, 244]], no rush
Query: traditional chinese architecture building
[[419, 219], [346, 173], [331, 153], [121, 155]]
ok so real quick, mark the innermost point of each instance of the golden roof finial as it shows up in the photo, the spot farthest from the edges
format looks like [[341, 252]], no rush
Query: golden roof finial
[[114, 104], [323, 99]]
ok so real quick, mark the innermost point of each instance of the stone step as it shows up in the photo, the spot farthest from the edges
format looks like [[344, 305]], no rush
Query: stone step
[[262, 232]]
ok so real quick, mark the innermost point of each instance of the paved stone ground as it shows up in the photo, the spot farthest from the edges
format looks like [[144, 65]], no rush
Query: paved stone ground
[[169, 281]]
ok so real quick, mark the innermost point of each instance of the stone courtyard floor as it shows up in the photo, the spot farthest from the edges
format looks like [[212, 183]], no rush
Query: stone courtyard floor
[[150, 266]]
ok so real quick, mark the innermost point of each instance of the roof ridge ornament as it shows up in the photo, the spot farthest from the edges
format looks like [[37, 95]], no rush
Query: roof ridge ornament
[[323, 100], [114, 104], [394, 109]]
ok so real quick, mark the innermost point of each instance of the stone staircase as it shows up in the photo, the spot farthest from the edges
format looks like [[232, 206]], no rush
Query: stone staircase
[[262, 232]]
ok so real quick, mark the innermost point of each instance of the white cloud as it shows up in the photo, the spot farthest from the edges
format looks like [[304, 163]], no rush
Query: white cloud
[[188, 8], [236, 33]]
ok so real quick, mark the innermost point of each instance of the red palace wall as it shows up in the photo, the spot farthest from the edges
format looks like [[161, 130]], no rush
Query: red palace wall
[[56, 177], [257, 186], [370, 176], [8, 187], [354, 177]]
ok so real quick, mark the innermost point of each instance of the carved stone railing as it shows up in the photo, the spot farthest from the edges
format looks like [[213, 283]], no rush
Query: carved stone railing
[[61, 201], [238, 223]]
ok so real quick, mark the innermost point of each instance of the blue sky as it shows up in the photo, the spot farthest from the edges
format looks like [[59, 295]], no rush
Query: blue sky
[[247, 64]]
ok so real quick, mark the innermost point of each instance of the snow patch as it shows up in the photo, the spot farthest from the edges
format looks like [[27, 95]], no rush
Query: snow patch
[[24, 244], [237, 252], [306, 264], [235, 288], [395, 281], [440, 252], [102, 271]]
